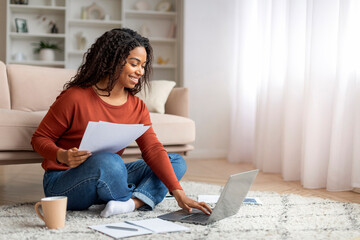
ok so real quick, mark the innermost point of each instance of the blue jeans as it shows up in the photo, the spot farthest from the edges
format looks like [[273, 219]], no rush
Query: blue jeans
[[105, 176]]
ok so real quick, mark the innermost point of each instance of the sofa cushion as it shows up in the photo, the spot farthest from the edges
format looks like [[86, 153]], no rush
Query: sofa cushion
[[17, 128], [4, 88], [172, 129], [45, 84], [156, 97]]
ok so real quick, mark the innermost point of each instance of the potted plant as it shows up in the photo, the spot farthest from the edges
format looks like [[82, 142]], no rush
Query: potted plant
[[46, 50]]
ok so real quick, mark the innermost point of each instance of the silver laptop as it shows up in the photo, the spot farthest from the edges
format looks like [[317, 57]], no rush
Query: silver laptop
[[229, 203]]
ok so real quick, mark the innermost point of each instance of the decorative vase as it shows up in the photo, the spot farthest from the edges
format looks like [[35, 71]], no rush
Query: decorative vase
[[81, 41], [47, 54]]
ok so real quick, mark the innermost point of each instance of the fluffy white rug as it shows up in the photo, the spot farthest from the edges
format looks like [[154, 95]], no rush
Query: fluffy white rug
[[282, 216]]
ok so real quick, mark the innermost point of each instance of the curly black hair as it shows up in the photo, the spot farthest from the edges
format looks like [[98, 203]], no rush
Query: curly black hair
[[107, 57]]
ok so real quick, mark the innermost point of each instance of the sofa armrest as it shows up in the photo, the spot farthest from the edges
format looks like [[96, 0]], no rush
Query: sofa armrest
[[178, 102]]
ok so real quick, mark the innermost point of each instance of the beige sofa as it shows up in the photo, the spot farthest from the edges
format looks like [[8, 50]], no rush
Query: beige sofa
[[26, 93]]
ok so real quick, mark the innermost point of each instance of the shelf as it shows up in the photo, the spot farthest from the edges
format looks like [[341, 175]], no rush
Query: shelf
[[22, 36], [40, 63], [164, 66], [80, 53], [16, 8], [77, 52], [98, 23], [154, 14]]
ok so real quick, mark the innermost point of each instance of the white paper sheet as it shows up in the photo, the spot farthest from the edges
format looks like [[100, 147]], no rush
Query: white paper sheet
[[117, 233], [147, 226], [208, 198], [110, 137], [158, 225]]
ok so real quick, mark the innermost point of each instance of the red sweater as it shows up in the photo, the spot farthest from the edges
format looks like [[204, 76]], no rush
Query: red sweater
[[66, 121]]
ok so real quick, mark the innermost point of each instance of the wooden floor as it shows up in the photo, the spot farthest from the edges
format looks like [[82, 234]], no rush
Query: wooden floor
[[23, 183]]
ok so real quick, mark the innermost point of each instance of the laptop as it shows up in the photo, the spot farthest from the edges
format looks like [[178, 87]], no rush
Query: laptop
[[229, 202]]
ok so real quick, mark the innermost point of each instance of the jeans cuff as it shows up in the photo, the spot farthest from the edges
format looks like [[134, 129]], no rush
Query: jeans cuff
[[144, 198]]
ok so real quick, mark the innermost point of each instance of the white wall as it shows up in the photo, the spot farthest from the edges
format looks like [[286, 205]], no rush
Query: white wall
[[207, 59]]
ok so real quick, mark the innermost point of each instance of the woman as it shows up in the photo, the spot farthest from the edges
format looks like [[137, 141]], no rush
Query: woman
[[116, 67]]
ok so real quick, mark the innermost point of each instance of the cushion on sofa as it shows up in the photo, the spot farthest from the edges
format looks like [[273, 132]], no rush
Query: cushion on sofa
[[156, 97], [35, 88], [172, 130], [4, 88], [17, 128]]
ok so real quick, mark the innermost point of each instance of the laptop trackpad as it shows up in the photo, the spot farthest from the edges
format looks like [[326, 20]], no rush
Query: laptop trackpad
[[196, 216], [173, 216]]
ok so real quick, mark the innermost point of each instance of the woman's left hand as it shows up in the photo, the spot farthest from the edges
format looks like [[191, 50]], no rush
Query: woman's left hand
[[187, 203]]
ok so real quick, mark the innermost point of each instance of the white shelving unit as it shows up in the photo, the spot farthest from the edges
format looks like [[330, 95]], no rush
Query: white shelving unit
[[38, 14], [163, 28], [164, 32], [90, 28]]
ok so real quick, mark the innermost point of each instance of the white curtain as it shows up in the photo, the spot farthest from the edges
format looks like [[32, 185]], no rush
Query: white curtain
[[296, 90]]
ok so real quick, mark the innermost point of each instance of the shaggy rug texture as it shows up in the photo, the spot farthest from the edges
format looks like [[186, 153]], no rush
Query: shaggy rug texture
[[281, 216]]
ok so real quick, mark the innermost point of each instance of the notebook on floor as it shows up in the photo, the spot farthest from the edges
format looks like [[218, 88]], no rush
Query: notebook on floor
[[229, 203]]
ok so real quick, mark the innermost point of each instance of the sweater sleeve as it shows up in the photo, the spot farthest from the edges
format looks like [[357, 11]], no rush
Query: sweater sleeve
[[155, 155], [52, 127]]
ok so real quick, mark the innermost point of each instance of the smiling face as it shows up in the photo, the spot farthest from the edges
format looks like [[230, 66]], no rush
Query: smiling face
[[134, 68]]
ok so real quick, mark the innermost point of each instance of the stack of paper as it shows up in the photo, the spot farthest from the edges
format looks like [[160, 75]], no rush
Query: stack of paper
[[141, 227], [110, 137]]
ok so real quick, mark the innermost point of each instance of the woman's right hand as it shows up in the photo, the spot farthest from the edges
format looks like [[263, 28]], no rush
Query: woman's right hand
[[72, 157], [187, 203]]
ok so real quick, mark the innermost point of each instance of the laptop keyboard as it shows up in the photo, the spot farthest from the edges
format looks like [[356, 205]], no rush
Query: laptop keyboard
[[199, 217]]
